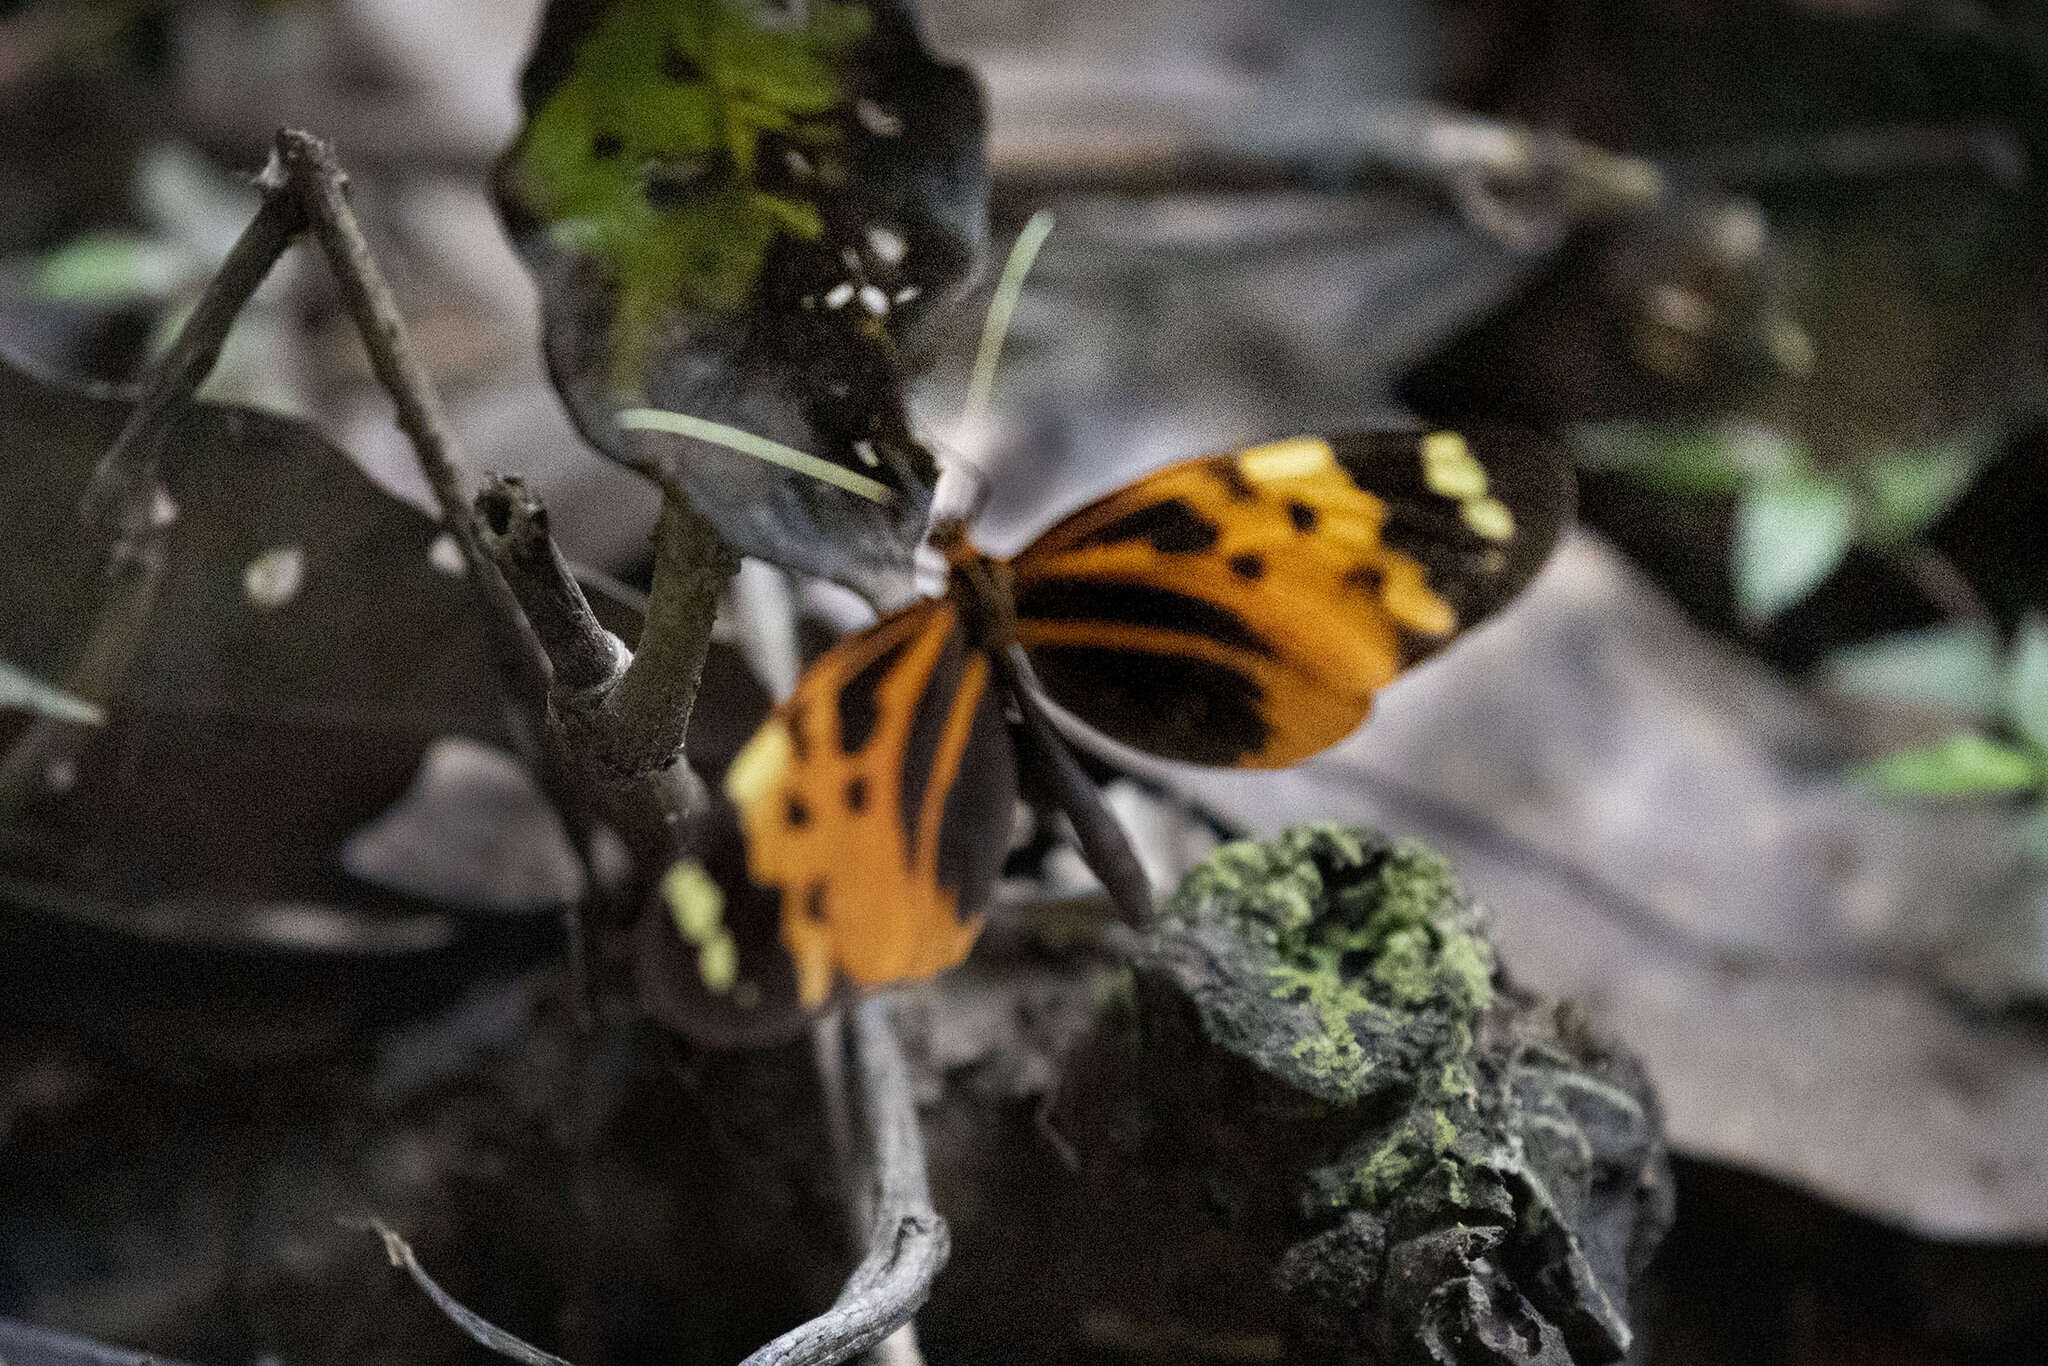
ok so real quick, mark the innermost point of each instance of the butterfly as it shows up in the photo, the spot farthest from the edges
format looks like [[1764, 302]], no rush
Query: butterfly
[[1239, 609]]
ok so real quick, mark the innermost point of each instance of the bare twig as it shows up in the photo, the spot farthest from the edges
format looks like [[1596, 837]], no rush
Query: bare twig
[[623, 738], [909, 1244], [1941, 582], [479, 1328], [584, 654], [127, 505], [322, 191], [121, 502], [1051, 766], [650, 707]]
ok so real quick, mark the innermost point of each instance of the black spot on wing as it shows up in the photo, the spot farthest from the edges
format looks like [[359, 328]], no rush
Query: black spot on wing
[[1171, 705], [1120, 603], [1303, 516], [858, 712], [1248, 566], [857, 795], [796, 813], [1364, 578], [974, 819], [927, 724], [1171, 526], [605, 146]]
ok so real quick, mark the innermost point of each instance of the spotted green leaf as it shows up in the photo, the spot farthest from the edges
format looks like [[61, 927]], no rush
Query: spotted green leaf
[[737, 210]]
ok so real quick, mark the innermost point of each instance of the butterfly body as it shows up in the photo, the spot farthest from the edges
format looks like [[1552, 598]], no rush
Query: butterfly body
[[1240, 609]]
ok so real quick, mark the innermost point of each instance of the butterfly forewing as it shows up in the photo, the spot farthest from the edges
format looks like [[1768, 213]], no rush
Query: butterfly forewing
[[874, 803], [1243, 609]]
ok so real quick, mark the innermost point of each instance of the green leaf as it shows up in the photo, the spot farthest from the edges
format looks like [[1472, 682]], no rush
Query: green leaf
[[1942, 666], [740, 212], [2026, 698], [1905, 491], [1792, 528], [112, 266], [1966, 765], [1680, 460], [22, 691]]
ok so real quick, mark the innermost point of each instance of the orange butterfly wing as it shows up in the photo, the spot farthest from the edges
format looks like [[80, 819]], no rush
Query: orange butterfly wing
[[1243, 609], [872, 800]]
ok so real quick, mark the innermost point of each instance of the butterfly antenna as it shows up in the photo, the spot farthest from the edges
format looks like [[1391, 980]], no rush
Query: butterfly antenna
[[996, 326], [760, 447]]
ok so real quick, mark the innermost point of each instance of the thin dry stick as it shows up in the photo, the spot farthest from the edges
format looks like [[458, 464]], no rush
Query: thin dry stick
[[909, 1243], [584, 654], [320, 188], [322, 191], [127, 505], [22, 1342]]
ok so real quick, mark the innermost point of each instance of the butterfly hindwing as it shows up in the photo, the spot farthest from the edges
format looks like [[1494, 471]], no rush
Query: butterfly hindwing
[[872, 803], [1243, 609]]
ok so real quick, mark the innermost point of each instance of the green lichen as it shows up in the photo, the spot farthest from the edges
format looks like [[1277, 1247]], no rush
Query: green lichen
[[1379, 970], [1376, 940], [1450, 1147]]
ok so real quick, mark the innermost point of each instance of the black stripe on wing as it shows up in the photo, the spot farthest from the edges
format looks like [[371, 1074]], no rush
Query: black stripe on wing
[[1174, 705], [974, 825]]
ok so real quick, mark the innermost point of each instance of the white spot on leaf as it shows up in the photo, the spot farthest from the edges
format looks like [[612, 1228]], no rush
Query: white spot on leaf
[[888, 245], [445, 555], [877, 120], [274, 578]]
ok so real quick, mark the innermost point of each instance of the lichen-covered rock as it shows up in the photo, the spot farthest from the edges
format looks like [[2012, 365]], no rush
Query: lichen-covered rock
[[1447, 1171]]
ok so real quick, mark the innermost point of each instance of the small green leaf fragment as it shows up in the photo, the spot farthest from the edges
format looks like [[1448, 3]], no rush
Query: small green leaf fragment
[[1942, 666], [2026, 696], [23, 691], [1906, 491], [110, 267], [1966, 765], [1679, 460], [1792, 528]]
